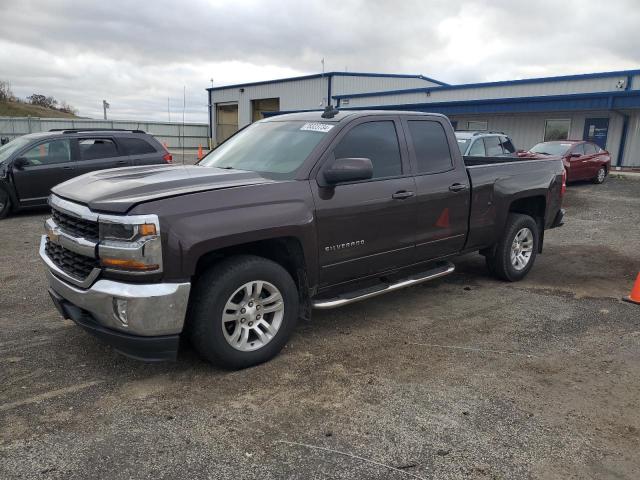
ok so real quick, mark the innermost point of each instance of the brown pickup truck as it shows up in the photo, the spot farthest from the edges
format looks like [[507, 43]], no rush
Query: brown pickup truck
[[292, 213]]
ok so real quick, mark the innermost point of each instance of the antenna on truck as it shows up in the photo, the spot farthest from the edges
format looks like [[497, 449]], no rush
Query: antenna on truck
[[330, 111]]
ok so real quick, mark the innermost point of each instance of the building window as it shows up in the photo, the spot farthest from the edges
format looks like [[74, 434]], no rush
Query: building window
[[556, 130], [263, 105], [477, 125]]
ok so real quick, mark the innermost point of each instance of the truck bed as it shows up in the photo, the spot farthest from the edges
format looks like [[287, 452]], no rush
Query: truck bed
[[497, 182]]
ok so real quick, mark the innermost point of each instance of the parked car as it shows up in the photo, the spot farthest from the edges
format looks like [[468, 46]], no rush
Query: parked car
[[485, 144], [582, 160], [294, 212], [32, 164]]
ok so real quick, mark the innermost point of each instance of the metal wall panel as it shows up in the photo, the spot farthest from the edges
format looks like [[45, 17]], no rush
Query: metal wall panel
[[528, 129], [343, 85], [631, 156], [172, 134], [443, 94]]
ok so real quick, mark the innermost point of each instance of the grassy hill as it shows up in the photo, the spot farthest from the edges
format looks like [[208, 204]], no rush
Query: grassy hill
[[17, 109]]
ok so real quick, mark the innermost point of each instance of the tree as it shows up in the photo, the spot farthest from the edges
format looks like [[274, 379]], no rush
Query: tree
[[6, 95], [66, 108], [42, 100]]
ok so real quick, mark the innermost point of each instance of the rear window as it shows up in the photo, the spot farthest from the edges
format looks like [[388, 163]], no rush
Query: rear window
[[431, 146], [136, 146], [94, 148]]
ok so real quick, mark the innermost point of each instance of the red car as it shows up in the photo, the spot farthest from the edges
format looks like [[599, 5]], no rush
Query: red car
[[582, 160]]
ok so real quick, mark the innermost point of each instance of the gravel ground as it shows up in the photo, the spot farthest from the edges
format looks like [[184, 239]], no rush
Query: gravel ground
[[463, 377]]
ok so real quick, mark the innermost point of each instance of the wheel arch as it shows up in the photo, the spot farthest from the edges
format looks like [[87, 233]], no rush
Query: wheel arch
[[535, 206], [286, 251]]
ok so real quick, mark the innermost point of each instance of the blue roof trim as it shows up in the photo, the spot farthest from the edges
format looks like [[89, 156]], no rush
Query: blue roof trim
[[327, 74], [584, 76], [579, 101]]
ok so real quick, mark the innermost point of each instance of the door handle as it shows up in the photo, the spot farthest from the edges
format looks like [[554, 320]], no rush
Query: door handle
[[402, 194], [457, 187], [67, 168], [121, 162]]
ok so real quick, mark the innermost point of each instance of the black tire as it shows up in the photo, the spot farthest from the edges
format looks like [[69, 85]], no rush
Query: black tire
[[5, 203], [499, 259], [601, 176], [208, 301]]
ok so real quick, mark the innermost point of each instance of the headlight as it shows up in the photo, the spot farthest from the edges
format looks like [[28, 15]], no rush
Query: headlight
[[130, 244], [126, 232]]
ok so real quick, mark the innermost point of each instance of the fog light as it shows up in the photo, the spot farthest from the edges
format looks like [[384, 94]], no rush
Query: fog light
[[120, 311]]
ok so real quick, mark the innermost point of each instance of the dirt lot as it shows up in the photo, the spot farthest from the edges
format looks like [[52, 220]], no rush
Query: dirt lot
[[464, 377]]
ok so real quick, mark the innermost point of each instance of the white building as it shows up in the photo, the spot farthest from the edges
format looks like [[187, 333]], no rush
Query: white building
[[601, 107]]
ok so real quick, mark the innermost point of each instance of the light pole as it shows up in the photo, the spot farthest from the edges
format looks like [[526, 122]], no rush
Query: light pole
[[105, 105]]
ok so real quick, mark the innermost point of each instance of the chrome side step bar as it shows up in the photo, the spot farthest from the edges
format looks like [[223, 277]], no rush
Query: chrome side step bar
[[358, 295]]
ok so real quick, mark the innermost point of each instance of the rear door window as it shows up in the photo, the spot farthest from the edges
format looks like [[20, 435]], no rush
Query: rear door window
[[377, 141], [492, 144], [507, 146], [578, 149], [136, 146], [95, 148], [431, 146], [477, 149]]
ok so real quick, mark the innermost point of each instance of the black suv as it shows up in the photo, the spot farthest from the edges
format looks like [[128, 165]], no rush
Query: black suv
[[32, 164]]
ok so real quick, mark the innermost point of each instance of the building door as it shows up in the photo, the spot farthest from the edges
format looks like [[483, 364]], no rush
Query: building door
[[262, 105], [226, 121], [596, 130]]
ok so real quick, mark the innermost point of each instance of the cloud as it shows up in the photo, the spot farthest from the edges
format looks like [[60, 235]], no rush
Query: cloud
[[137, 54]]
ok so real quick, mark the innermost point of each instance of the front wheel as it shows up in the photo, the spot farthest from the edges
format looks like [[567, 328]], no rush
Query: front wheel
[[5, 203], [513, 256], [600, 176], [243, 311]]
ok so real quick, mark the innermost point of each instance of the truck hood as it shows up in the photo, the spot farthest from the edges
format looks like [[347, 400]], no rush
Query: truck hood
[[118, 190]]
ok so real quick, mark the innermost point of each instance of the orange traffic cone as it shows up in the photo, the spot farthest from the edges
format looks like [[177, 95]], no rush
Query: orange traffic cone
[[200, 152], [634, 297]]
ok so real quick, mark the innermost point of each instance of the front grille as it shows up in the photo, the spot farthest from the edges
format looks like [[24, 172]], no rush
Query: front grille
[[76, 226], [74, 264]]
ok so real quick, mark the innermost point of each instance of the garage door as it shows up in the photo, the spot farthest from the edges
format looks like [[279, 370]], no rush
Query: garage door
[[226, 121], [259, 106]]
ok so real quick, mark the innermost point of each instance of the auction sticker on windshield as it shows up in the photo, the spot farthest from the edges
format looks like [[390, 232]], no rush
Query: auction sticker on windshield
[[317, 127]]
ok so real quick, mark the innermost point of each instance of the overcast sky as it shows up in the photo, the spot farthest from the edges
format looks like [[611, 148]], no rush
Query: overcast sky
[[137, 54]]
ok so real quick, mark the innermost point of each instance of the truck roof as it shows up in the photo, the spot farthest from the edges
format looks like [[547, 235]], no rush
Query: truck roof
[[316, 115]]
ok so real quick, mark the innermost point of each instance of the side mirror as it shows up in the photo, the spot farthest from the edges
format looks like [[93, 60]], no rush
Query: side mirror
[[348, 170], [20, 162], [574, 155]]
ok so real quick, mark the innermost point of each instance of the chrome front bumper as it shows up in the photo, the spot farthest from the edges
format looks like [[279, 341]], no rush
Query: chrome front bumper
[[152, 309]]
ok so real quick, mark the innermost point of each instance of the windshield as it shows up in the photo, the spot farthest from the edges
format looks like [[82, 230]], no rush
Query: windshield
[[552, 148], [463, 143], [276, 148], [7, 149]]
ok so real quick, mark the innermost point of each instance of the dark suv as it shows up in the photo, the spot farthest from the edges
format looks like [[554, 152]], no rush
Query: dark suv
[[32, 164]]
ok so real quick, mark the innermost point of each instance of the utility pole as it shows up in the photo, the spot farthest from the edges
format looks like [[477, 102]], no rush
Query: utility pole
[[105, 105], [168, 109]]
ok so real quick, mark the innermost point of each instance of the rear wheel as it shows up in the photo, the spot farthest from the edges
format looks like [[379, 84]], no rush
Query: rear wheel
[[600, 176], [243, 311], [5, 203], [514, 255]]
